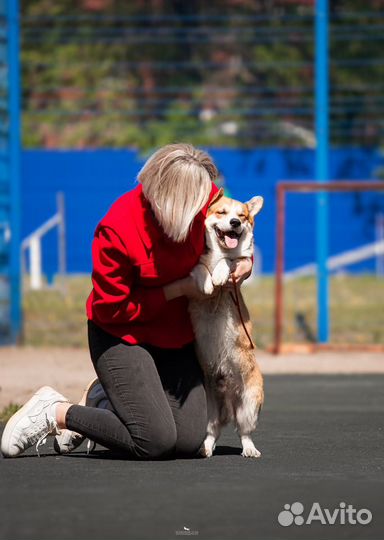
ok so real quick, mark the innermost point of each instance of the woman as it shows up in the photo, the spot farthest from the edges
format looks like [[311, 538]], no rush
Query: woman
[[140, 334]]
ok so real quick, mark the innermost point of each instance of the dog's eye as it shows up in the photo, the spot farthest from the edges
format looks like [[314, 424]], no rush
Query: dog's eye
[[241, 215], [221, 212]]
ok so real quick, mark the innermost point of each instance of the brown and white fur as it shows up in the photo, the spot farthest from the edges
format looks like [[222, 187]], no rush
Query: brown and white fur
[[234, 383]]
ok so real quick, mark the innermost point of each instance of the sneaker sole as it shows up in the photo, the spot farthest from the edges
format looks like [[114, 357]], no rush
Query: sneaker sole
[[16, 417], [89, 387]]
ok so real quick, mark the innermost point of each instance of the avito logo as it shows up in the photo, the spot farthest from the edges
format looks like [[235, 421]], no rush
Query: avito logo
[[342, 515]]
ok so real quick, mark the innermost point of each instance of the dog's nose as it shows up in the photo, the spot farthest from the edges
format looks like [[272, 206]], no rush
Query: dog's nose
[[235, 222]]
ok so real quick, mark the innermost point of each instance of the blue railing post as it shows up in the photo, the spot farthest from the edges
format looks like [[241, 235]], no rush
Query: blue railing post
[[322, 167], [13, 19]]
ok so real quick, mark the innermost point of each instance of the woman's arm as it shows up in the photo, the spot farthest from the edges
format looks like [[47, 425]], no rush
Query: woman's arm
[[114, 297], [182, 287]]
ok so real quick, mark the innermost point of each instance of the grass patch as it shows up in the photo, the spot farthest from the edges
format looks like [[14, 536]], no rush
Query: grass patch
[[56, 316], [356, 309], [8, 411]]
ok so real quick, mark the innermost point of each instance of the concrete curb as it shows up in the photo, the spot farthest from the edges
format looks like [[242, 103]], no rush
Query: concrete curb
[[24, 369]]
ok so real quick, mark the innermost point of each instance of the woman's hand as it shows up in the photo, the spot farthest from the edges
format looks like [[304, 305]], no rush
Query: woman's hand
[[241, 270], [184, 287]]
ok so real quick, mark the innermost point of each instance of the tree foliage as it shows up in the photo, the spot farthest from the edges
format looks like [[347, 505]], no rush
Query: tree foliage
[[238, 73]]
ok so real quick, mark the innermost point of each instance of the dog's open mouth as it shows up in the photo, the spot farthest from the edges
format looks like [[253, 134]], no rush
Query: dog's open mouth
[[230, 238]]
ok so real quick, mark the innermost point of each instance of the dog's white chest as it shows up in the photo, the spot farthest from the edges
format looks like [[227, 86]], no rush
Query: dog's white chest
[[216, 332]]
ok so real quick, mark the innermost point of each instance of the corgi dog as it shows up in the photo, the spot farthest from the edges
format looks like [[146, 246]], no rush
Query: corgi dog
[[234, 384]]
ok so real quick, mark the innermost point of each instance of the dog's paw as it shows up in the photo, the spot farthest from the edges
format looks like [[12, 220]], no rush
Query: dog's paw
[[208, 286], [202, 279], [250, 451], [220, 275], [207, 448], [205, 452]]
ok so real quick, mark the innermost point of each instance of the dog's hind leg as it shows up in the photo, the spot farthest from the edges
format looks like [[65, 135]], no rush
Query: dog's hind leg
[[249, 449], [214, 424], [246, 416]]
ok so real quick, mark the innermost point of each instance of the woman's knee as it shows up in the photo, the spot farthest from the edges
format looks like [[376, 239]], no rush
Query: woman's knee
[[161, 444], [189, 441], [192, 424]]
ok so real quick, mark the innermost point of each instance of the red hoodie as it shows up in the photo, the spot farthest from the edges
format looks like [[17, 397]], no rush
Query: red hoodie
[[132, 260]]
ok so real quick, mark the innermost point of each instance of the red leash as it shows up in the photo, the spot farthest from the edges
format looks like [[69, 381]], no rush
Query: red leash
[[237, 304]]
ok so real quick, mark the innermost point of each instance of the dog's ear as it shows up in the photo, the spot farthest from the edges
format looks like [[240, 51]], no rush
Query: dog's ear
[[216, 197], [255, 205]]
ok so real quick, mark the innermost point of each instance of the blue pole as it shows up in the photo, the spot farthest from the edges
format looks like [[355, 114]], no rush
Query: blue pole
[[322, 171], [14, 163]]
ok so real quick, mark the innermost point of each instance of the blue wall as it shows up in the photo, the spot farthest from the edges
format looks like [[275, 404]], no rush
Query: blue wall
[[92, 180]]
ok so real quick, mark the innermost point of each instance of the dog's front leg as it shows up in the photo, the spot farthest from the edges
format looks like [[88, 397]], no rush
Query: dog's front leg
[[203, 278], [221, 272], [214, 425]]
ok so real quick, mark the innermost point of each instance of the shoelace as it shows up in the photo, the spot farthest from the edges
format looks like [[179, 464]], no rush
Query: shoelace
[[51, 425]]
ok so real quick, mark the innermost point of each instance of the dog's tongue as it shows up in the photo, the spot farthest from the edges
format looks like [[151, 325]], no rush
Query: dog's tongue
[[230, 242]]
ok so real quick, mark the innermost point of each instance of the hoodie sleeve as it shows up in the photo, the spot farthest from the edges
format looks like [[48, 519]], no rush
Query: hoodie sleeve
[[116, 299]]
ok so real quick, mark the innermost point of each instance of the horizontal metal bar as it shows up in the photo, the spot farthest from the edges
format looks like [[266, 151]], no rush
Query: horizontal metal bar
[[346, 103], [175, 18], [272, 15], [252, 90], [43, 229], [192, 64], [164, 31], [345, 258], [137, 31], [339, 186]]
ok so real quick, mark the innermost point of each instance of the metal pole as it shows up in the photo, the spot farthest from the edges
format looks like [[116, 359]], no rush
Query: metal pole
[[14, 163], [62, 234], [379, 233], [322, 170], [280, 231], [35, 263]]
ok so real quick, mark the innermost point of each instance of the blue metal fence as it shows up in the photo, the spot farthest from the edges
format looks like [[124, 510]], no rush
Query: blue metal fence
[[322, 163], [92, 180], [273, 115], [10, 312]]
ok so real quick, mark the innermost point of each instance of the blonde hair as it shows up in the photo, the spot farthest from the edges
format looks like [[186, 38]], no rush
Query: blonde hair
[[177, 181]]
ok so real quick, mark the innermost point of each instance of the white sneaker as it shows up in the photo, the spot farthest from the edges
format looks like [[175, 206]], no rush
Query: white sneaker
[[32, 423], [66, 441]]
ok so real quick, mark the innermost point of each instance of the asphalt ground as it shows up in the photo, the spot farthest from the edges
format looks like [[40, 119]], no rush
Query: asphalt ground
[[322, 440]]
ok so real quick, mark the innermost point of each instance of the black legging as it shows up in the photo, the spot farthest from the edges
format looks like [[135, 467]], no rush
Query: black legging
[[157, 395]]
